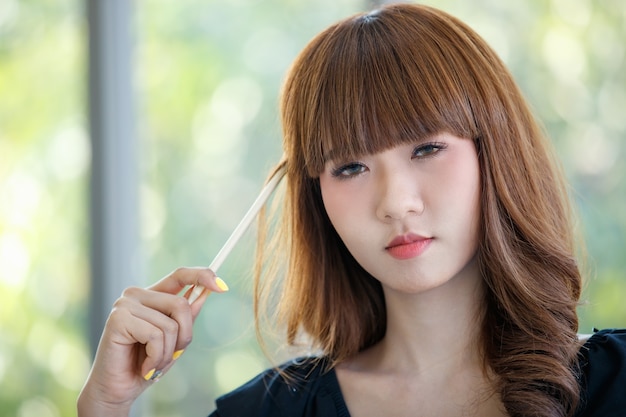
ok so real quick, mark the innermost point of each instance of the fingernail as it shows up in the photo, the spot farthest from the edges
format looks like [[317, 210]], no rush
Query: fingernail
[[221, 284], [177, 354], [156, 376], [149, 375]]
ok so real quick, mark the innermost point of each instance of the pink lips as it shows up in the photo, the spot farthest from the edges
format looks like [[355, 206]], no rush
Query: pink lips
[[407, 246]]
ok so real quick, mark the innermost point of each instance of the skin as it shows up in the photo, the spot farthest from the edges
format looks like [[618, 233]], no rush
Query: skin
[[429, 358], [144, 330], [430, 189]]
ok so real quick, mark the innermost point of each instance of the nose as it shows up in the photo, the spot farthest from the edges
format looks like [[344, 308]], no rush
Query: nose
[[399, 194]]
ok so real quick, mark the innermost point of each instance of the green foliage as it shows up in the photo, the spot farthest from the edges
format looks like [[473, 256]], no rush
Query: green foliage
[[208, 76], [44, 158]]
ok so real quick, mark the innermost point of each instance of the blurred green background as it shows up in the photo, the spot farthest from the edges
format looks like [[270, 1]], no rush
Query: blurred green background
[[207, 76]]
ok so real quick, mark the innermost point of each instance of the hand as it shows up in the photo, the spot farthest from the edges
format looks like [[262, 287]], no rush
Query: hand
[[145, 333]]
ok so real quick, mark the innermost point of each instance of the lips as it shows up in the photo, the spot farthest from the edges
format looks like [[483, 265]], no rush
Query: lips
[[408, 246]]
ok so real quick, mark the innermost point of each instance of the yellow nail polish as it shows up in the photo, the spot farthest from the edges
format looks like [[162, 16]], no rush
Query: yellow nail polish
[[221, 284], [149, 374], [177, 354]]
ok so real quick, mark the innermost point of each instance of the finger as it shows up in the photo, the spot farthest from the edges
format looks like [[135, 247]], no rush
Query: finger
[[153, 334], [175, 282], [154, 347], [172, 314], [152, 368], [137, 331], [196, 306]]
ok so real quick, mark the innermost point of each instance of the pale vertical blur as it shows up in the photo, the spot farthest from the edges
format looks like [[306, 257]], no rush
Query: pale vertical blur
[[208, 78]]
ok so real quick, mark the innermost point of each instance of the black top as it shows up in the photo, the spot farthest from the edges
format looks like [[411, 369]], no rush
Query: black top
[[309, 391]]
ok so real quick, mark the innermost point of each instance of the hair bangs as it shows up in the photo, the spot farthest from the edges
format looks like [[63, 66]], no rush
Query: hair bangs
[[378, 87]]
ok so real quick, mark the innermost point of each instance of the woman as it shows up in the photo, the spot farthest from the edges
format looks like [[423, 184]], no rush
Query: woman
[[429, 245]]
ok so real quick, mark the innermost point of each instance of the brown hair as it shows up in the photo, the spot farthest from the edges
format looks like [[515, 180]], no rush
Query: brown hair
[[399, 74]]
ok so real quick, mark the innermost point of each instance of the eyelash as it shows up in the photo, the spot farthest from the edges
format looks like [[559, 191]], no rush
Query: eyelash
[[340, 172], [433, 149], [427, 150]]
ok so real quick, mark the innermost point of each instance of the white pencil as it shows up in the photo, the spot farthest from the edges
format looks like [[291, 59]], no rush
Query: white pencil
[[243, 225]]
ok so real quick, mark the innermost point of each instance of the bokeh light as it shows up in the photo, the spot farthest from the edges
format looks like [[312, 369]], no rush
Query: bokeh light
[[207, 77]]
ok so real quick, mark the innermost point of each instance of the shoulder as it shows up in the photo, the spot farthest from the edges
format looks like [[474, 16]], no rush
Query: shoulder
[[603, 374], [301, 387]]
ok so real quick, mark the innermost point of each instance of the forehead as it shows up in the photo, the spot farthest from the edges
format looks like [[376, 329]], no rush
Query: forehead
[[368, 84], [343, 152]]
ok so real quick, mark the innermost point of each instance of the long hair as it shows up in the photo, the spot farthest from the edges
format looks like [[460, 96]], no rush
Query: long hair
[[396, 75]]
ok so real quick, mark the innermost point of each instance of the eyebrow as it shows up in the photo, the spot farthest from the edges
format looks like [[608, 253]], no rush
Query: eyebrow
[[331, 155], [334, 153]]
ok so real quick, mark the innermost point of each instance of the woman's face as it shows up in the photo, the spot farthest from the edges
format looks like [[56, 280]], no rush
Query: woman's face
[[409, 215]]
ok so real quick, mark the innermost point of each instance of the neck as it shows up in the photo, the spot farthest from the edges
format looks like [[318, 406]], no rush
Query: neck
[[436, 330]]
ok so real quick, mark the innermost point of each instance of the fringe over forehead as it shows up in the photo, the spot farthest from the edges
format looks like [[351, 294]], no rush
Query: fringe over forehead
[[374, 80]]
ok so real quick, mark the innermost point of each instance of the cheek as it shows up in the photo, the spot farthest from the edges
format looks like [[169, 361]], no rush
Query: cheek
[[473, 194], [469, 204], [333, 203], [466, 192], [341, 205], [464, 178], [461, 200]]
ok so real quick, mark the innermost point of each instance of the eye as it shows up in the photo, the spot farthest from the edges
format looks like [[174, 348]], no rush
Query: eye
[[428, 149], [348, 170]]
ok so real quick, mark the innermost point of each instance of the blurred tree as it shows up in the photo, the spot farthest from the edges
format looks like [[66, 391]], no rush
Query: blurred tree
[[227, 104], [44, 158], [208, 79]]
